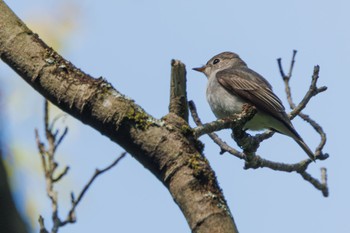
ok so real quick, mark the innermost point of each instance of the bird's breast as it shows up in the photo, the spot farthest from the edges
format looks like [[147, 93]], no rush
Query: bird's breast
[[222, 103], [225, 104]]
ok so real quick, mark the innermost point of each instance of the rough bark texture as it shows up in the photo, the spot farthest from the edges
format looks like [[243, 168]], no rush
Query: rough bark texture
[[166, 147], [178, 94]]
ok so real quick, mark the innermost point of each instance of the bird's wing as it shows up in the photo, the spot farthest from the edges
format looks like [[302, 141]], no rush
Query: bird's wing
[[255, 89]]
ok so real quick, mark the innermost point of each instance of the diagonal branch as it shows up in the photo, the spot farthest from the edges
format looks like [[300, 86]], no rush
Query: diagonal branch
[[71, 217], [164, 147]]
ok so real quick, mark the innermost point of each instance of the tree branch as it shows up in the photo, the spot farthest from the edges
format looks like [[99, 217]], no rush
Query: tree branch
[[237, 120], [71, 217], [165, 147]]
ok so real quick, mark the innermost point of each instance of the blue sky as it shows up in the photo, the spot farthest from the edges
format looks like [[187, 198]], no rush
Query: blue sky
[[131, 43]]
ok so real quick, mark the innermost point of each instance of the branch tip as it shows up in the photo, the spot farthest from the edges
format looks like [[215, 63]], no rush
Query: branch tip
[[178, 94], [42, 225]]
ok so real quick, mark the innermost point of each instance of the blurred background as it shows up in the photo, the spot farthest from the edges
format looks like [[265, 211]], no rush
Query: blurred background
[[131, 44]]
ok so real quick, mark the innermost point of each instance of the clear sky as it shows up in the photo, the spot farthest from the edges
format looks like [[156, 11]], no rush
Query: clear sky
[[131, 43]]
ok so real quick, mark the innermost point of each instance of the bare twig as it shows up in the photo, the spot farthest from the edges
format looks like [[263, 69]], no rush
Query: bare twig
[[322, 186], [296, 109], [292, 63], [71, 215], [60, 176], [259, 162], [324, 181], [55, 119], [265, 135], [60, 138], [46, 115], [49, 164], [42, 225]]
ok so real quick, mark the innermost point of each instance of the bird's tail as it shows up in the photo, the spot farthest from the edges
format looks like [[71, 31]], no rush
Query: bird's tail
[[289, 130], [305, 147]]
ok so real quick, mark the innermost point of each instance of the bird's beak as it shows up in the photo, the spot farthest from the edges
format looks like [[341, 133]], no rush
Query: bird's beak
[[199, 69]]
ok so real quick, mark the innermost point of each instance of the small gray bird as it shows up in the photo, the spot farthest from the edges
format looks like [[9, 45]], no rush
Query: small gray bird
[[231, 84]]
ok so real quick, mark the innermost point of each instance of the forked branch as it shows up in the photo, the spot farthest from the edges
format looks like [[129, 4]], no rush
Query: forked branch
[[50, 164]]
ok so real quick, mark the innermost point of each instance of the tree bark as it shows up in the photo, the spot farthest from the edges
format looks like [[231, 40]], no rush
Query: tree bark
[[165, 147]]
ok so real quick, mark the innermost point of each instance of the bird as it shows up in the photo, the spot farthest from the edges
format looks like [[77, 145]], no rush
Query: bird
[[231, 84]]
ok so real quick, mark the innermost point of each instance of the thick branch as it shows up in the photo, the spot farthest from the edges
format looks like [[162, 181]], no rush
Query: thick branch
[[163, 147]]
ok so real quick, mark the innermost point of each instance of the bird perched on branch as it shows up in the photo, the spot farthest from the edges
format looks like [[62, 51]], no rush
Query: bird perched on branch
[[231, 84]]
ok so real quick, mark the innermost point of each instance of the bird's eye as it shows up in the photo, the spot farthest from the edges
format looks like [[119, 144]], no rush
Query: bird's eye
[[216, 61]]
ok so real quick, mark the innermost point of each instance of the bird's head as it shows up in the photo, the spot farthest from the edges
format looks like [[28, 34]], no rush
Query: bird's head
[[220, 62]]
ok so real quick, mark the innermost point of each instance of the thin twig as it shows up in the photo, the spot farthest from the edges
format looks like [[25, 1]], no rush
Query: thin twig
[[75, 202], [50, 165], [292, 63], [324, 181], [265, 135], [313, 90], [41, 148], [296, 109], [42, 225], [61, 138], [46, 114], [55, 119], [259, 162], [323, 187], [60, 176]]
